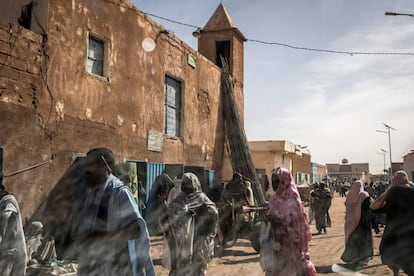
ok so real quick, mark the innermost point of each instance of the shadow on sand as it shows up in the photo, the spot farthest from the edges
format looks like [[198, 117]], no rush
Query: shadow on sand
[[248, 260], [325, 269], [230, 252]]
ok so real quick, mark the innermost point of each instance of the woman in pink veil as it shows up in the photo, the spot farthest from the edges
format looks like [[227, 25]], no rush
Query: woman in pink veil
[[290, 227]]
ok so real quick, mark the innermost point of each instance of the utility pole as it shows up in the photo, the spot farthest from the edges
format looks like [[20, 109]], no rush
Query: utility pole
[[388, 131]]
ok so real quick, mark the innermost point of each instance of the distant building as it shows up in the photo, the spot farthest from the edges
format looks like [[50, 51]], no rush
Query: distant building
[[268, 155], [319, 173], [397, 166], [408, 164], [347, 172], [302, 168]]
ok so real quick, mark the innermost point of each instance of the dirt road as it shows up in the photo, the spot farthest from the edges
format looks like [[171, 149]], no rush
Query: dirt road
[[326, 250]]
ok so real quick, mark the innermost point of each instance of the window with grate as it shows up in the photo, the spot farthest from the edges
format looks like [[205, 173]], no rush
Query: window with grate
[[172, 106], [96, 54]]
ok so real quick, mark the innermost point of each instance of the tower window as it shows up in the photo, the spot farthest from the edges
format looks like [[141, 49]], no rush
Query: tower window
[[26, 16], [223, 49]]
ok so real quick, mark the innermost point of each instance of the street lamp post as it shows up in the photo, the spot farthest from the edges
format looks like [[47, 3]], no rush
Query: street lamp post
[[388, 131], [383, 152]]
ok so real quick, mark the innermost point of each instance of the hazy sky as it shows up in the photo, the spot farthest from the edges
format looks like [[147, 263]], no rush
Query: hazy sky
[[332, 103]]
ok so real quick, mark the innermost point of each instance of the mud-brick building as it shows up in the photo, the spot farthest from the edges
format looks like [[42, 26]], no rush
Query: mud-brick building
[[80, 74]]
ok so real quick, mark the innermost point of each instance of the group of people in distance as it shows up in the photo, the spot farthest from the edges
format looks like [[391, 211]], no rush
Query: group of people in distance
[[289, 231], [113, 238]]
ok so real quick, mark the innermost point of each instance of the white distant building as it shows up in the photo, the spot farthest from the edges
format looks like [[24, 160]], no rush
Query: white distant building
[[346, 172]]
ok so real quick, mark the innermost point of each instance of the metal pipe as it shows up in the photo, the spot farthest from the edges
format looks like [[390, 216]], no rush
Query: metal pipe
[[26, 169]]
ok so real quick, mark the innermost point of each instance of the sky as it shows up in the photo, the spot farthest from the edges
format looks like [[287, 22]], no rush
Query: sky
[[332, 103]]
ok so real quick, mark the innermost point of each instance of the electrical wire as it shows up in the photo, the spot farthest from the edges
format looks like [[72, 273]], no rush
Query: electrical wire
[[172, 21], [330, 51], [351, 53]]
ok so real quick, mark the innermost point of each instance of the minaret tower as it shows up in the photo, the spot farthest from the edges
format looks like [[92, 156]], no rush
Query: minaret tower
[[220, 37]]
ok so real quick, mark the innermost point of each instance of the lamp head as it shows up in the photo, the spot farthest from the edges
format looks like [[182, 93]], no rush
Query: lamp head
[[391, 13], [148, 44], [197, 33]]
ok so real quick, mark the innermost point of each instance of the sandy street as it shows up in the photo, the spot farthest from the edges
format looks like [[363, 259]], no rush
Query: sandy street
[[326, 250]]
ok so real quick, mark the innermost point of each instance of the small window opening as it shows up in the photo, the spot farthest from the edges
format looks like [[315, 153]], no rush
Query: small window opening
[[26, 16]]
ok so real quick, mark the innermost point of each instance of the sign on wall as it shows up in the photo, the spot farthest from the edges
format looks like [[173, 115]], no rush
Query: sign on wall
[[155, 141], [191, 60]]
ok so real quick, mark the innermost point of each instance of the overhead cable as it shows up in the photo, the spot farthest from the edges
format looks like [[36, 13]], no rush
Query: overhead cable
[[352, 53]]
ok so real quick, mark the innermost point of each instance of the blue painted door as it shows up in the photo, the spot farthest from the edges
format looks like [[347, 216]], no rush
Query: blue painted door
[[153, 170], [211, 175]]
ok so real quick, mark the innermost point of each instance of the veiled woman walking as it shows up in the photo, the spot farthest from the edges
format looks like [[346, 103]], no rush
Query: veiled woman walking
[[358, 234], [192, 223], [290, 229], [397, 243]]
